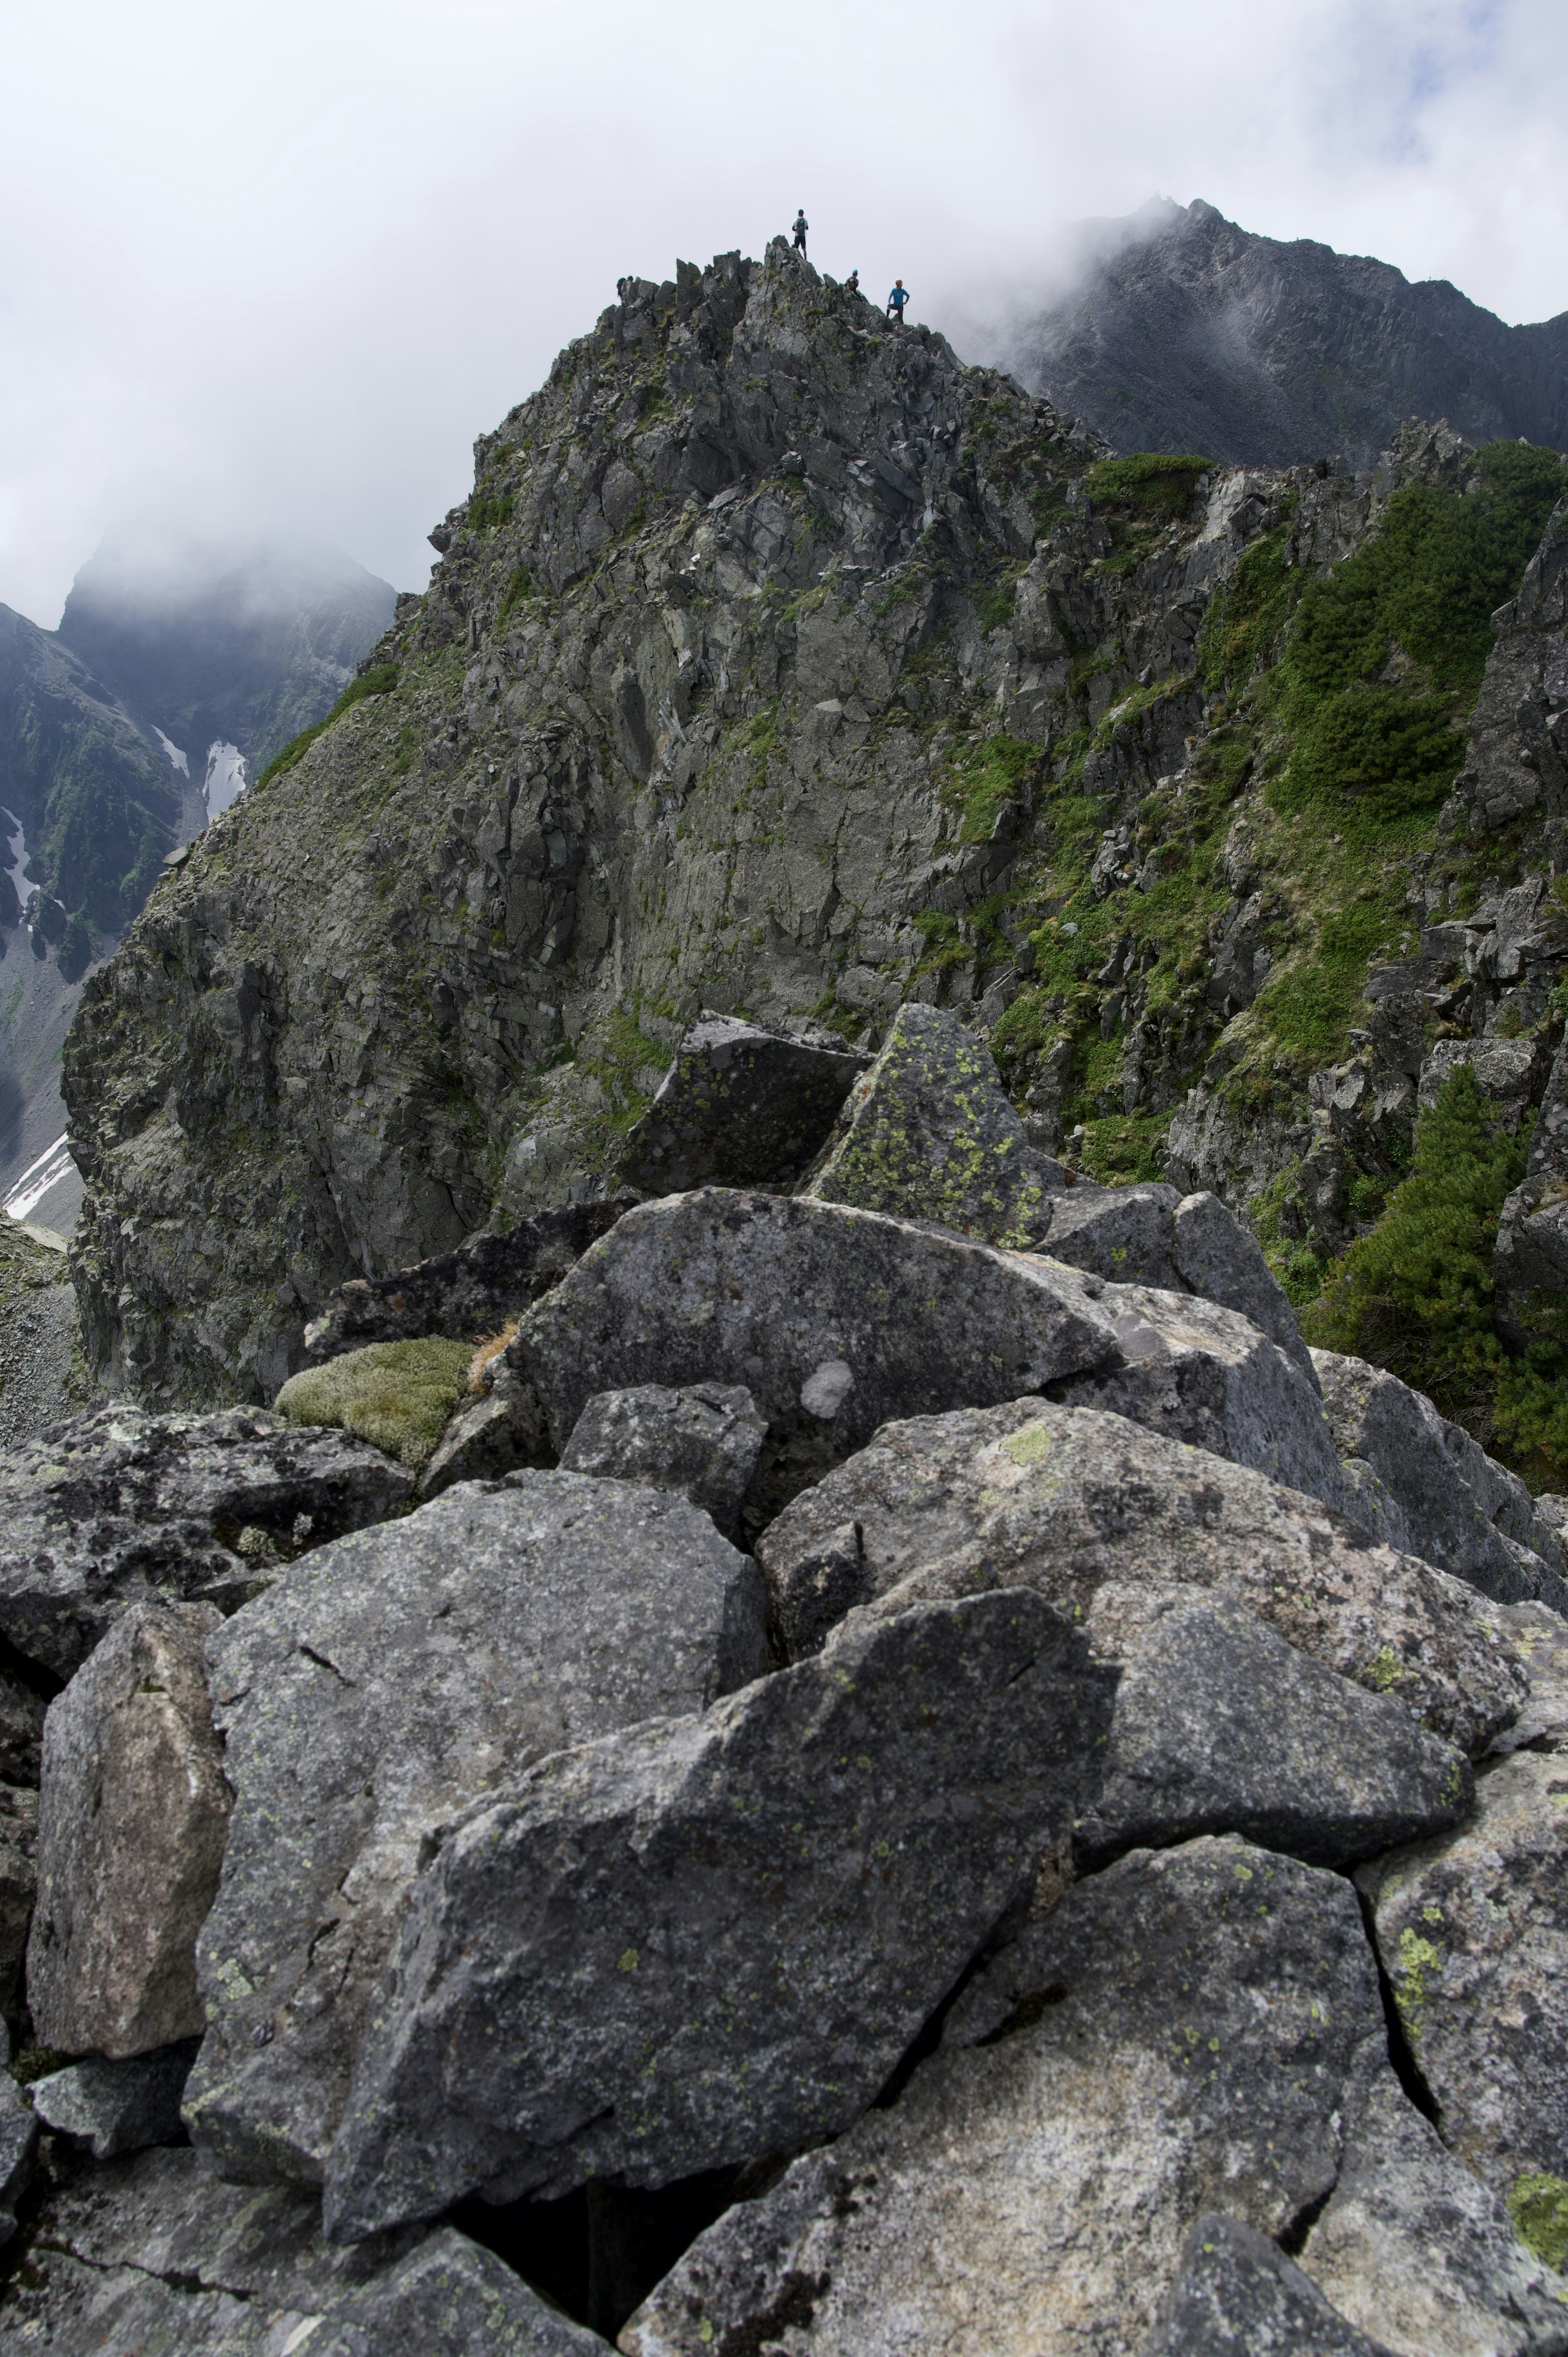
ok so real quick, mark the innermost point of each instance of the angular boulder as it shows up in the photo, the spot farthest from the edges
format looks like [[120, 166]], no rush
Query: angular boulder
[[376, 1691], [133, 1816], [703, 1440], [1183, 2031], [1193, 1371], [1454, 1505], [928, 1134], [1415, 2249], [118, 2107], [498, 1432], [153, 2256], [1123, 1234], [1218, 1258], [1065, 1500], [119, 1505], [835, 1319], [1473, 1932], [1537, 1638], [739, 1107], [464, 1294], [1221, 1726], [701, 1942], [1237, 2295]]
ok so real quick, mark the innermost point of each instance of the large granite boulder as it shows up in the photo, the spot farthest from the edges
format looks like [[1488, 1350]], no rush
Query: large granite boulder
[[833, 1318], [116, 2107], [712, 1938], [703, 1440], [1237, 2295], [133, 1816], [1221, 1726], [1442, 1497], [153, 2256], [740, 1106], [1473, 1931], [1066, 1499], [119, 1505], [466, 1293], [1415, 2248], [928, 1134], [1184, 2030], [378, 1689]]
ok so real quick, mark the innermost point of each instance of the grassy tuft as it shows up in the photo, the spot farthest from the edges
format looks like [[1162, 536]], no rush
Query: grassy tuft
[[400, 1396]]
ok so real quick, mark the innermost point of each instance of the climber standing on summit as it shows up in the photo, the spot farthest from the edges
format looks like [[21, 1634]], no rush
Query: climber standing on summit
[[801, 225], [897, 300]]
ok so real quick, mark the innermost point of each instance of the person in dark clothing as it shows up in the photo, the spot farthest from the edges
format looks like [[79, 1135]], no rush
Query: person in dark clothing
[[897, 300], [851, 283], [801, 228]]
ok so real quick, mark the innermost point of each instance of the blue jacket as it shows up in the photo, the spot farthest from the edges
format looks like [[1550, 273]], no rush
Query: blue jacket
[[899, 296]]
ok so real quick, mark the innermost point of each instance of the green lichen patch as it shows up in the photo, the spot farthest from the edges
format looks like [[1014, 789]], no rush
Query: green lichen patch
[[1418, 1961], [400, 1396], [1031, 1444], [1538, 2204]]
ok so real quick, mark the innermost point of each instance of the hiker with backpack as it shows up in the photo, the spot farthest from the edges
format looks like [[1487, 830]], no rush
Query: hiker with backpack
[[801, 228]]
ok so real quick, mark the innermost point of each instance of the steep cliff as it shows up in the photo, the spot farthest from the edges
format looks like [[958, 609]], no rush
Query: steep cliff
[[1189, 333], [781, 665]]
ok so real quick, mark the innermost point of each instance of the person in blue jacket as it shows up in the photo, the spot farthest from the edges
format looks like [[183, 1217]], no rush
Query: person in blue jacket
[[801, 225], [897, 300]]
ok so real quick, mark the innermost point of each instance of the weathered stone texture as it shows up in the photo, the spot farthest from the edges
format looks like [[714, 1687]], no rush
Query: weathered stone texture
[[18, 1881], [378, 1689], [703, 1441], [118, 1506], [118, 2107], [133, 1816], [703, 1941], [1065, 1500], [739, 1107], [1237, 2295], [1184, 2030]]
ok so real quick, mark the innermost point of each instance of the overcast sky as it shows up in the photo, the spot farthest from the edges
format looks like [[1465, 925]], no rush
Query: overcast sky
[[275, 266]]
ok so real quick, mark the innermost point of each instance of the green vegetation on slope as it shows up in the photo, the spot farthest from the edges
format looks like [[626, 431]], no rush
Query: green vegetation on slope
[[380, 680], [400, 1396]]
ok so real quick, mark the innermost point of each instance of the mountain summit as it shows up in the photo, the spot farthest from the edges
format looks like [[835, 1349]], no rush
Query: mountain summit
[[1188, 333]]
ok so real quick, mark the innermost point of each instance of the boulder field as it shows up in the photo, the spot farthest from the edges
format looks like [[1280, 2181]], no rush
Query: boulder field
[[909, 1773]]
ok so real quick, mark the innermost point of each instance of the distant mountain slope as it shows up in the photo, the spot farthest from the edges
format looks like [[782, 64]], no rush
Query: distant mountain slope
[[1188, 333]]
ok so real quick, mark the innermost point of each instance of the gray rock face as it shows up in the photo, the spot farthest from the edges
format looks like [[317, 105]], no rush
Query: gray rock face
[[740, 1106], [378, 1689], [152, 2257], [118, 2107], [133, 1816], [794, 1300], [464, 1294], [1182, 2030], [700, 1942], [1415, 2249], [1221, 1726], [119, 1505], [1454, 1504], [488, 1437], [1064, 1500], [1473, 1931], [18, 2139], [1538, 1639], [21, 1731], [18, 1881], [928, 1134], [1194, 1371], [1223, 1261], [1239, 2295], [450, 2295], [703, 1441]]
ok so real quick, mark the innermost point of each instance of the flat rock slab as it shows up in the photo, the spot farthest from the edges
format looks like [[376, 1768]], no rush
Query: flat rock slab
[[703, 1440], [739, 1107], [1183, 2031], [1454, 1504], [378, 1689], [928, 1134], [464, 1294], [1192, 1370], [835, 1319], [1473, 1931], [1065, 1500], [1239, 2295], [133, 1816], [1413, 2248], [118, 2107], [153, 2256], [1221, 1726], [120, 1505], [697, 1942]]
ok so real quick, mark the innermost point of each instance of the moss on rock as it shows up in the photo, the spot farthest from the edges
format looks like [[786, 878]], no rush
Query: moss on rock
[[400, 1396]]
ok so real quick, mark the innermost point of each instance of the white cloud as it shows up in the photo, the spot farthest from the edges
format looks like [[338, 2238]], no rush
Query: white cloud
[[276, 269]]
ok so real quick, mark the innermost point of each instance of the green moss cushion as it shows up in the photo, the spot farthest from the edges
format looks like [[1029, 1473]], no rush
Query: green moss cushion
[[400, 1396]]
